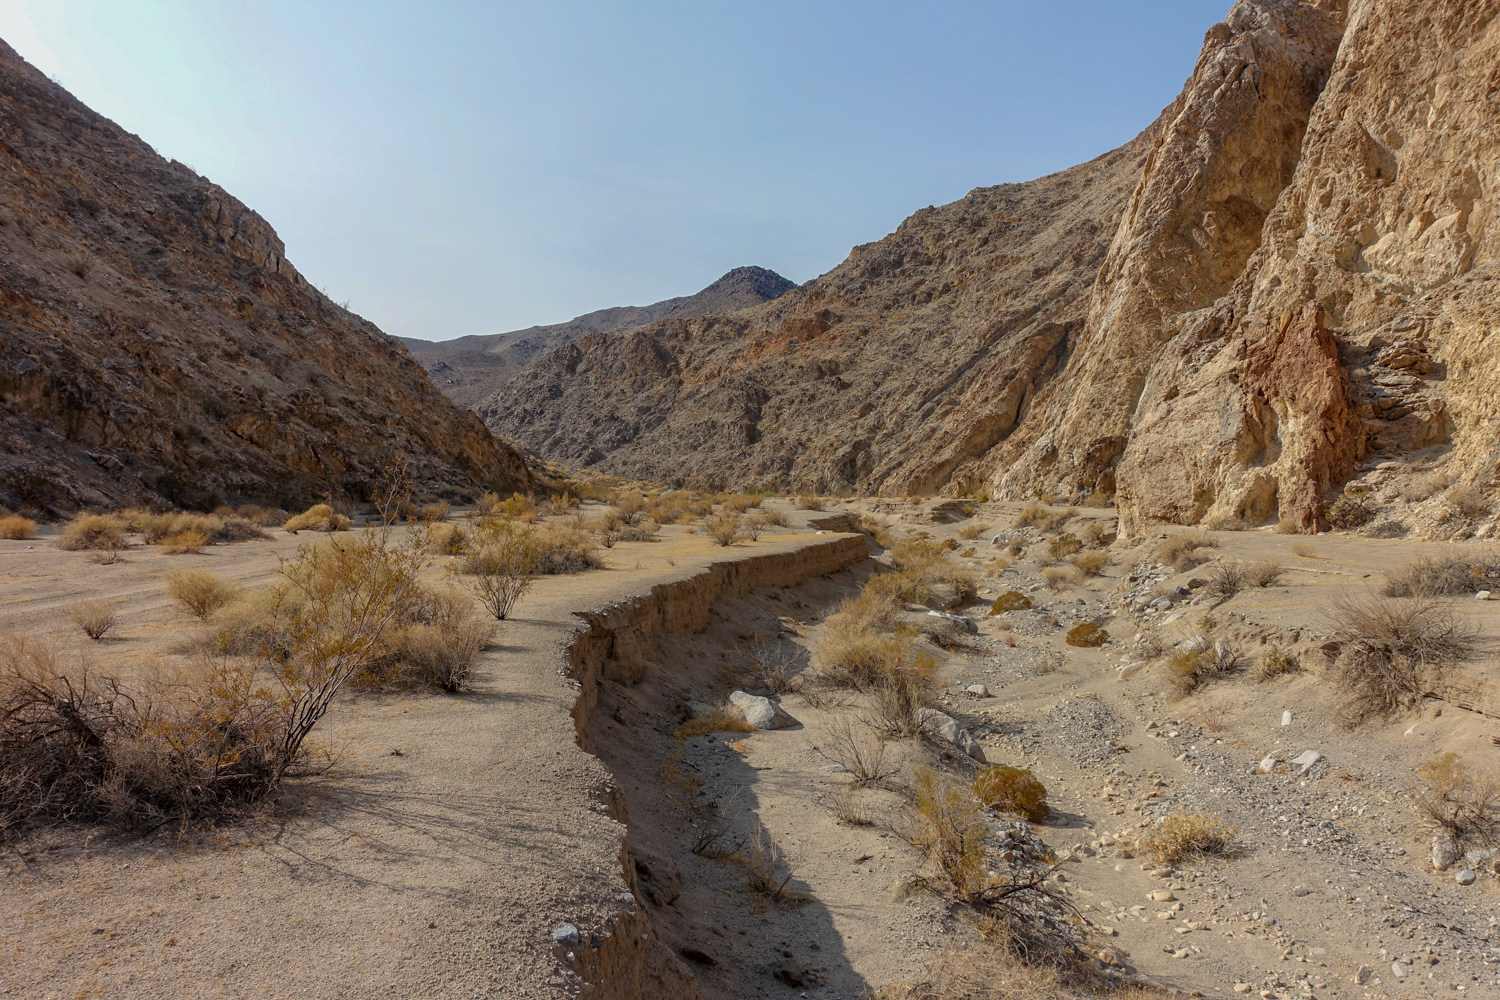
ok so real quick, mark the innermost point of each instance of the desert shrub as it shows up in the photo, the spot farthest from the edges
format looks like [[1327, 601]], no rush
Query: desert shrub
[[1276, 663], [565, 546], [1064, 545], [1012, 600], [433, 513], [263, 517], [973, 530], [774, 518], [184, 543], [1437, 576], [1264, 573], [1388, 647], [516, 507], [1183, 836], [235, 529], [14, 526], [1348, 512], [724, 528], [447, 538], [854, 746], [93, 532], [1304, 550], [1094, 533], [951, 833], [1087, 634], [809, 502], [433, 640], [1459, 801], [899, 696], [1180, 551], [200, 592], [96, 617], [926, 565], [157, 527], [318, 517], [499, 564], [741, 502], [721, 719], [1191, 667], [1058, 577], [1032, 516], [1012, 789], [1015, 547], [1226, 579], [1091, 563]]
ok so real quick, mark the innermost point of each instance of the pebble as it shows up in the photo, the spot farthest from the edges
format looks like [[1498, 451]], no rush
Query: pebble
[[1161, 896], [1465, 877], [565, 934]]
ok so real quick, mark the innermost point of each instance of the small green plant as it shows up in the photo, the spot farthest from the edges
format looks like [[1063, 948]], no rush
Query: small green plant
[[1012, 600], [1064, 545], [1012, 789], [1087, 634], [1276, 663]]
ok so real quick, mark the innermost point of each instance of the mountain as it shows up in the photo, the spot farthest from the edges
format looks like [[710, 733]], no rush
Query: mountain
[[159, 348], [471, 368], [1283, 288]]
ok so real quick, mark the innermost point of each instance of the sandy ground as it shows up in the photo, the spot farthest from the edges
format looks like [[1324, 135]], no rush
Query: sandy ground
[[1333, 876], [440, 871], [434, 861]]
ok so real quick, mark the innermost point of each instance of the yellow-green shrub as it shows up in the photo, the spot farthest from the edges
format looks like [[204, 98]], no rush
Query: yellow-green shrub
[[1013, 789]]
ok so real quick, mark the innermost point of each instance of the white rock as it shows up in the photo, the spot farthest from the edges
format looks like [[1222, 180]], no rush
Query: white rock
[[978, 690], [1465, 877], [761, 713], [1129, 670], [1362, 975], [945, 727], [1483, 595], [967, 624], [1306, 759], [565, 934], [1399, 971], [1286, 717], [1267, 764]]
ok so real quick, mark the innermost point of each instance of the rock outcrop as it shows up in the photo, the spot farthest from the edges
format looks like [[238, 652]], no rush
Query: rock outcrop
[[1284, 285], [158, 347], [471, 369]]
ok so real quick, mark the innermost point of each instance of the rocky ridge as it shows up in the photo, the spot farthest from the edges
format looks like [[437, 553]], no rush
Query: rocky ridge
[[470, 369], [158, 347], [1283, 286]]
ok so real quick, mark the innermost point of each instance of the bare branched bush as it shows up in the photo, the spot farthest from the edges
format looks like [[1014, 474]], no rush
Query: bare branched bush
[[96, 617], [200, 592], [973, 530], [856, 748], [809, 502], [774, 518], [1226, 579], [500, 564], [1390, 649], [1060, 577], [434, 641], [1460, 801], [767, 874], [1091, 563]]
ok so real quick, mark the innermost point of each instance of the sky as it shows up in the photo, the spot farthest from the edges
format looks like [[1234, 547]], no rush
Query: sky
[[465, 168]]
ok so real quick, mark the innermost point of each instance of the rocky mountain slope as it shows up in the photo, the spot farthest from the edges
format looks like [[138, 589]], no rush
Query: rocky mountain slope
[[469, 369], [158, 347], [1284, 284]]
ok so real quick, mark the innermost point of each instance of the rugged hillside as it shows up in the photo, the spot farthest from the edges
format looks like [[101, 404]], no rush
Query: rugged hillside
[[157, 345], [1297, 282], [470, 369]]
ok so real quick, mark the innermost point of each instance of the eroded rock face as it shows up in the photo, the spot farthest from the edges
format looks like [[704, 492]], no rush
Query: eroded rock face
[[156, 345], [1289, 279]]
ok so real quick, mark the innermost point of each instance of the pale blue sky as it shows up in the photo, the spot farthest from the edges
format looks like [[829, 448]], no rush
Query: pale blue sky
[[454, 168]]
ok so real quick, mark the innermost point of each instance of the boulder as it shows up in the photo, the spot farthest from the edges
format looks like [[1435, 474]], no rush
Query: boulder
[[942, 726], [762, 713]]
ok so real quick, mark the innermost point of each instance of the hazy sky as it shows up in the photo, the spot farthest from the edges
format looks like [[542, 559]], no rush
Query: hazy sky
[[455, 168]]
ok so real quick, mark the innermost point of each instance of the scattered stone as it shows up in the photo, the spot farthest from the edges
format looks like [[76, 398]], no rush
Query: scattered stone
[[566, 934], [1161, 896], [1362, 975], [1483, 595], [978, 690], [969, 625], [699, 956], [1286, 717], [1399, 971], [1465, 877], [1268, 764], [1306, 759]]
